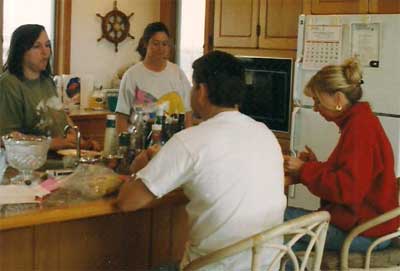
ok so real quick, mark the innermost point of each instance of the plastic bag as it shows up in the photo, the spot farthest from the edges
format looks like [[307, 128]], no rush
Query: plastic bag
[[92, 181]]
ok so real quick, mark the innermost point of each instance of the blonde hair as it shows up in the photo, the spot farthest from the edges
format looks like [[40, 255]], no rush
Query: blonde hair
[[346, 78]]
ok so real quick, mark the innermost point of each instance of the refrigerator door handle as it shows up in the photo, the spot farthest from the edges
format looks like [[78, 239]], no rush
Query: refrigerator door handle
[[295, 111], [293, 151], [297, 82], [299, 61]]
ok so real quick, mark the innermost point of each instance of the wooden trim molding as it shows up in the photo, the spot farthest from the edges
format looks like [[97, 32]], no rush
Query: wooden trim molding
[[209, 27], [62, 51], [168, 17]]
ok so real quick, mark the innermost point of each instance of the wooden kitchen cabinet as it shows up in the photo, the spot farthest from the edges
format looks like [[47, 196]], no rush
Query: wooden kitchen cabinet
[[339, 6], [352, 6], [279, 23], [384, 6], [256, 23], [235, 23]]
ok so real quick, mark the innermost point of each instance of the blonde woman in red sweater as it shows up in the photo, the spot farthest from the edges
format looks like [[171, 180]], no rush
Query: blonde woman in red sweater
[[357, 182]]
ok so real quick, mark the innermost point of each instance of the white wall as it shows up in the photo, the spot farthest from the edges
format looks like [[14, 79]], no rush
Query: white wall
[[99, 58]]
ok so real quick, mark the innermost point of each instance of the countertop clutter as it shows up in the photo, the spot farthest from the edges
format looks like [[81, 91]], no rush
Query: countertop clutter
[[69, 231], [82, 194]]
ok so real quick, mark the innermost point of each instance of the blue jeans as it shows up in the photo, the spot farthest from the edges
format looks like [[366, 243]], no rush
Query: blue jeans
[[334, 238]]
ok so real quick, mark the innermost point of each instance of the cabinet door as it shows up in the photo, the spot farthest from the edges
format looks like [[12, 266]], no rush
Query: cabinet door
[[235, 23], [278, 23], [339, 6], [384, 6]]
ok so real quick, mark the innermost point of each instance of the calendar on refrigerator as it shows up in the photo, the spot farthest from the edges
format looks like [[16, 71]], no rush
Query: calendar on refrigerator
[[322, 46]]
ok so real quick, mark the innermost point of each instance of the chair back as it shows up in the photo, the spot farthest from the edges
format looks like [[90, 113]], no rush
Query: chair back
[[386, 259], [313, 225]]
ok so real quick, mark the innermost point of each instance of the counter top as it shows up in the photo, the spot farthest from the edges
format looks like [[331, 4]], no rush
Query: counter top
[[87, 113], [44, 214]]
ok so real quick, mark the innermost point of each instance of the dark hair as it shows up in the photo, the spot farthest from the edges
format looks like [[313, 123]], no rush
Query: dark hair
[[22, 40], [148, 33], [224, 76]]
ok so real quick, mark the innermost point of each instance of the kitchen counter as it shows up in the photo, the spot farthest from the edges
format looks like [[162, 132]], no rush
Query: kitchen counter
[[91, 123], [83, 113], [93, 235], [35, 214]]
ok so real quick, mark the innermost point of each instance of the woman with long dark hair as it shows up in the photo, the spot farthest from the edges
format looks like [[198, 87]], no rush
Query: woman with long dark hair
[[28, 98]]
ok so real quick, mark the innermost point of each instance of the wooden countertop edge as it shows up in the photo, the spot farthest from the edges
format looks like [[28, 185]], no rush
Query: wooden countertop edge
[[79, 211]]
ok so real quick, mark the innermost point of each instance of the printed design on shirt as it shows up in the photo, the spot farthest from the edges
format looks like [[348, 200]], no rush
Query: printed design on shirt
[[50, 112], [143, 97], [175, 102]]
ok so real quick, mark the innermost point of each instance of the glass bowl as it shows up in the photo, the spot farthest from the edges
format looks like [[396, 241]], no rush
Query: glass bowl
[[26, 153]]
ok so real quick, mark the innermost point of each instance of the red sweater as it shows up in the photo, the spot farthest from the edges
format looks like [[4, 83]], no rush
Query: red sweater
[[357, 182]]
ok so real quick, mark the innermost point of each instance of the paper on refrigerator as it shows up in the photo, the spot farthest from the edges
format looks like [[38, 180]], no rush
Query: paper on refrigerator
[[322, 46]]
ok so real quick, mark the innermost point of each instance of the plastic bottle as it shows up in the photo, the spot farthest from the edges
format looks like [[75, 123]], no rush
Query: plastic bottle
[[137, 135], [158, 128], [156, 134], [110, 137]]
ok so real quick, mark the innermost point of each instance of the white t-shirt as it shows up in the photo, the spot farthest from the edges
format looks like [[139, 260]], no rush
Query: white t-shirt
[[231, 169], [141, 86]]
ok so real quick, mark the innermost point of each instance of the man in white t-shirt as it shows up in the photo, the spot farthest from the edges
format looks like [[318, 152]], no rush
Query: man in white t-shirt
[[229, 166]]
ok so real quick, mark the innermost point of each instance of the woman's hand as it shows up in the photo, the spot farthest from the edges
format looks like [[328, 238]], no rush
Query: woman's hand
[[308, 155], [59, 143], [289, 180], [292, 165], [90, 144]]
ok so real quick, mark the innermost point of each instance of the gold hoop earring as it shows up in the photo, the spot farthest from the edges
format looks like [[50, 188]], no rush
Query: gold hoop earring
[[338, 108]]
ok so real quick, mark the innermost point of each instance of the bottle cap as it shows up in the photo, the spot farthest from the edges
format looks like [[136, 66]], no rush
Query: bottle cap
[[152, 115], [156, 127]]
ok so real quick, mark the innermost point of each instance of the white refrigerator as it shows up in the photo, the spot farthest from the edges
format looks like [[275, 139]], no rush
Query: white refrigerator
[[330, 39]]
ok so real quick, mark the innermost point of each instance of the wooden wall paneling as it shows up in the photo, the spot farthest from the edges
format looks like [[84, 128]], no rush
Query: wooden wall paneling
[[276, 32], [136, 232], [180, 232], [47, 247], [16, 249], [62, 50], [235, 23], [100, 240], [339, 6], [161, 236], [384, 6]]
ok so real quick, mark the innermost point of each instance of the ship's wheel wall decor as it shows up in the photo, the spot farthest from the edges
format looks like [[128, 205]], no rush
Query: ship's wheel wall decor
[[115, 26]]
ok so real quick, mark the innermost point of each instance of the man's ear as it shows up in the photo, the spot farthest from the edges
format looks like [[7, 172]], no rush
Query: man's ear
[[203, 92]]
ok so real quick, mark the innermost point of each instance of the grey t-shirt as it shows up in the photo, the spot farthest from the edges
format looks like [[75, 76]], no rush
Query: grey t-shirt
[[30, 106]]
